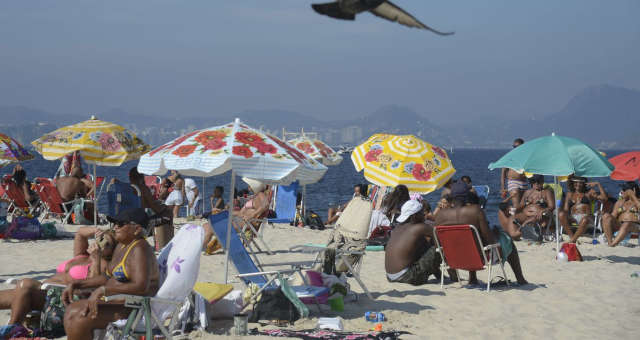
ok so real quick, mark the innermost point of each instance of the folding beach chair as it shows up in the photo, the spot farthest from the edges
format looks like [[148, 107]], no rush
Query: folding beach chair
[[483, 194], [348, 240], [249, 268], [53, 203], [98, 190], [121, 196], [16, 198], [154, 183], [179, 264], [461, 248], [285, 205]]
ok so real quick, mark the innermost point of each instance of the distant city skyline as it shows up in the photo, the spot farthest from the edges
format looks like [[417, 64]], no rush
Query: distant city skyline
[[204, 58]]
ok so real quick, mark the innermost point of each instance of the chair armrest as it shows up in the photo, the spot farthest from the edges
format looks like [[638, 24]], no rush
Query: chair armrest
[[137, 299], [46, 286], [273, 272]]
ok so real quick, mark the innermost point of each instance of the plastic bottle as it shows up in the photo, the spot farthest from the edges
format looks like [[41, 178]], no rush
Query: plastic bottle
[[374, 317]]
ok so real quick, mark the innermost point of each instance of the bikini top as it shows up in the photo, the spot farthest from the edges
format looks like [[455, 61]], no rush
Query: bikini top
[[119, 272], [633, 209]]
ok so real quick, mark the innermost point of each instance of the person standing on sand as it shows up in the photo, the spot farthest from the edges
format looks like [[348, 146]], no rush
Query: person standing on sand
[[461, 211], [516, 182], [176, 198], [409, 255]]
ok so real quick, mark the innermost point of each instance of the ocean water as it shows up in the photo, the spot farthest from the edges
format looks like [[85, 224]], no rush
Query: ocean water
[[337, 185]]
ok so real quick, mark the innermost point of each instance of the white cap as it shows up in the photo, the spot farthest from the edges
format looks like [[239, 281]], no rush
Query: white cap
[[409, 208], [256, 185]]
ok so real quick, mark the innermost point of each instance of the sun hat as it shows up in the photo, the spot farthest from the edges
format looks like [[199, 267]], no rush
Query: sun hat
[[256, 185], [409, 208]]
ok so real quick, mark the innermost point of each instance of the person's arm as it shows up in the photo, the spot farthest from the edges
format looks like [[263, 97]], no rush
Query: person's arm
[[567, 200], [616, 208], [149, 202], [602, 194], [81, 240], [503, 176], [523, 200], [486, 234], [550, 199], [262, 205]]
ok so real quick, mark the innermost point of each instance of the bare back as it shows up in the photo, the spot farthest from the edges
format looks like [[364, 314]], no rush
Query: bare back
[[70, 188], [468, 214], [407, 243]]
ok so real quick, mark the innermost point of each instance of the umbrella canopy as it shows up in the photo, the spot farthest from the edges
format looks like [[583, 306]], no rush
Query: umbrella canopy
[[555, 156], [249, 152], [11, 151], [627, 166], [99, 142], [317, 150], [390, 160]]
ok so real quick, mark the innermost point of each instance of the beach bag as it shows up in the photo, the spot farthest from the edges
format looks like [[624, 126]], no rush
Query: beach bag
[[52, 315], [355, 219], [531, 232], [314, 221], [24, 228], [573, 254], [274, 305]]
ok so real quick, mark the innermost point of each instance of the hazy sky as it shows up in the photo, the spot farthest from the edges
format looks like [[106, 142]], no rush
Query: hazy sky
[[218, 57]]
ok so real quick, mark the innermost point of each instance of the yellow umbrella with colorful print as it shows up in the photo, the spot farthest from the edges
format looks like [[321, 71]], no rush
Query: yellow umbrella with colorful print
[[98, 142], [390, 160]]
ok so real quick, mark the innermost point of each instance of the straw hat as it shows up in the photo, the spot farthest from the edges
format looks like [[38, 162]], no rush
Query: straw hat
[[256, 185]]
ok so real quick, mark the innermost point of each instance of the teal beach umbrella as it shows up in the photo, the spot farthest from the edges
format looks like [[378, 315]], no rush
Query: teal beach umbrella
[[555, 156]]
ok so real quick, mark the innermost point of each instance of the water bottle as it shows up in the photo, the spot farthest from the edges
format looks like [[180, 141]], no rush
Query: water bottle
[[374, 316]]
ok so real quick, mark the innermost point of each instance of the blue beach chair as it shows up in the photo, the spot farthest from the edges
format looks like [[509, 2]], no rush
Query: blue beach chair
[[121, 196], [483, 194], [250, 273], [285, 203]]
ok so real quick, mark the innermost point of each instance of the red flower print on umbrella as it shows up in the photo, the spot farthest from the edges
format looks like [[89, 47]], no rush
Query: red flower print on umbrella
[[184, 150], [420, 173], [242, 151]]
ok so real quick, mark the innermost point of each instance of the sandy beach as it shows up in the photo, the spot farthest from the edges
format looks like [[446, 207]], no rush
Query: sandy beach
[[596, 298]]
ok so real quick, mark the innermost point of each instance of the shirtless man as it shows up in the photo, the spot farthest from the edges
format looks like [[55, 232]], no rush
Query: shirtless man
[[460, 211], [409, 255], [73, 186], [516, 183]]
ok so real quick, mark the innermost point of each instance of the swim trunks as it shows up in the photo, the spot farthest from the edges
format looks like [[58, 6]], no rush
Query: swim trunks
[[515, 184], [418, 272]]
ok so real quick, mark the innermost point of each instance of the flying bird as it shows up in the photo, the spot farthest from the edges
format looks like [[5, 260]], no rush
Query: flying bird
[[347, 10]]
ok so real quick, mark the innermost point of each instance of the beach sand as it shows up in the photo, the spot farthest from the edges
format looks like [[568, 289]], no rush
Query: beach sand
[[596, 298]]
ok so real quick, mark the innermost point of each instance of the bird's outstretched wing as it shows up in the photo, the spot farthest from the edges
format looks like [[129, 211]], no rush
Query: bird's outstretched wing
[[389, 11], [332, 9]]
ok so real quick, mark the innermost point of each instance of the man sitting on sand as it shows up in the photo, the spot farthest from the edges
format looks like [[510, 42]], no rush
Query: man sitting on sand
[[462, 211], [409, 255]]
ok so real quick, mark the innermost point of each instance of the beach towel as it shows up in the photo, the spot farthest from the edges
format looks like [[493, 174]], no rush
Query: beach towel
[[313, 334]]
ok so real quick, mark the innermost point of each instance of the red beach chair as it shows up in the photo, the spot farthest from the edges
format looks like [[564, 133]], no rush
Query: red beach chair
[[154, 183], [53, 202], [16, 197], [461, 248]]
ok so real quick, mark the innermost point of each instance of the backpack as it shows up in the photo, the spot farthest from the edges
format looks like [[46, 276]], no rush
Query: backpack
[[314, 221], [274, 305]]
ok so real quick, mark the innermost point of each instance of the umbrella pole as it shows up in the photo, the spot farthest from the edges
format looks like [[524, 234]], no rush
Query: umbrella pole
[[555, 180], [95, 197], [202, 195], [304, 201], [226, 250]]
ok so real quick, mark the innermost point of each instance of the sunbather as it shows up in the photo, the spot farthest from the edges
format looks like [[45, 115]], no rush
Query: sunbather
[[76, 186], [19, 176], [88, 261], [537, 203], [463, 211], [409, 255], [578, 206], [133, 269], [257, 206], [625, 216]]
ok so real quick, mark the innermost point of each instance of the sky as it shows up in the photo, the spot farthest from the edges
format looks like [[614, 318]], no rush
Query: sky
[[208, 58]]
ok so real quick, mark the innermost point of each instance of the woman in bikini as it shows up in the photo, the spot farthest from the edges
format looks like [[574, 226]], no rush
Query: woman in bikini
[[133, 269], [88, 261], [253, 209], [625, 216], [578, 206], [536, 206]]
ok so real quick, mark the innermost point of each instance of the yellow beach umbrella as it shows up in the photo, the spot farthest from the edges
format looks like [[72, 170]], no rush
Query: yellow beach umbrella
[[98, 142], [390, 160]]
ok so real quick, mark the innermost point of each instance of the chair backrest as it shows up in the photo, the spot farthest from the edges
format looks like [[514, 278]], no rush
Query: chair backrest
[[355, 219], [286, 201], [482, 191], [461, 246], [14, 193], [237, 252], [179, 263], [122, 195], [50, 196]]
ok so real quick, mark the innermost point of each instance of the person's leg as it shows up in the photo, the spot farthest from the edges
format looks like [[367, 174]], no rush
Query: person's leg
[[80, 327], [208, 234], [27, 296], [625, 228], [584, 222], [473, 278], [608, 224], [514, 262], [176, 210], [563, 216]]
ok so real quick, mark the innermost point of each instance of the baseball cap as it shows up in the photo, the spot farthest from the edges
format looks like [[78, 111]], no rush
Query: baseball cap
[[137, 215], [409, 208]]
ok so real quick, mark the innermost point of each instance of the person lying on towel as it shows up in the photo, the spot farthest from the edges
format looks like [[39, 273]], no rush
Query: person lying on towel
[[464, 209]]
